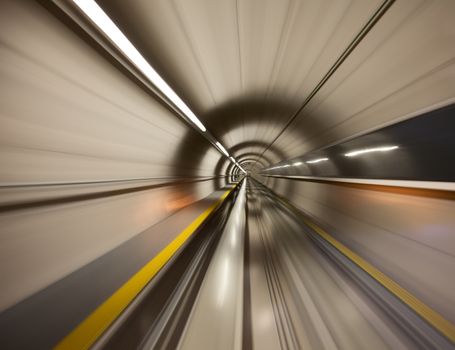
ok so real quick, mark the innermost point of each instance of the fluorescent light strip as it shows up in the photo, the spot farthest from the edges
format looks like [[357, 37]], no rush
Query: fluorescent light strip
[[317, 160], [297, 164], [105, 24], [369, 150], [222, 149]]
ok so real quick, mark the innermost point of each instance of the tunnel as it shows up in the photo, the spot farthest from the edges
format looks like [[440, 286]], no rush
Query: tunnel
[[227, 174]]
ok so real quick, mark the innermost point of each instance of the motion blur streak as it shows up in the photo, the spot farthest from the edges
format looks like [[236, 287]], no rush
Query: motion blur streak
[[369, 150], [330, 123], [96, 14]]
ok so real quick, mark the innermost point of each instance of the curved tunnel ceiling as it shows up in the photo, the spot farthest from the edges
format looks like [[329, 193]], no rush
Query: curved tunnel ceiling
[[247, 68], [269, 80]]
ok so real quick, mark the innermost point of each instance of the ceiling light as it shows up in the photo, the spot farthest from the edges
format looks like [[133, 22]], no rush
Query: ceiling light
[[297, 164], [220, 146], [369, 150], [317, 160], [105, 24]]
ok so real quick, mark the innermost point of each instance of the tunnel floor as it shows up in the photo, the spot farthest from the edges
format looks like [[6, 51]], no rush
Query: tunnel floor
[[251, 271], [260, 276], [306, 295]]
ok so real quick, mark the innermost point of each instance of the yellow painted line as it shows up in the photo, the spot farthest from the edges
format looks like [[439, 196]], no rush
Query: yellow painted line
[[89, 330], [435, 319]]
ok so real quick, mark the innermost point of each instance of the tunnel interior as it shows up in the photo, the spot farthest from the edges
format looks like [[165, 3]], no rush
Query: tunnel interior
[[233, 174]]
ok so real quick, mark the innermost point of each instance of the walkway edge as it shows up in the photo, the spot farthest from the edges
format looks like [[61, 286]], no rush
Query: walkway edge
[[435, 319], [89, 330]]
